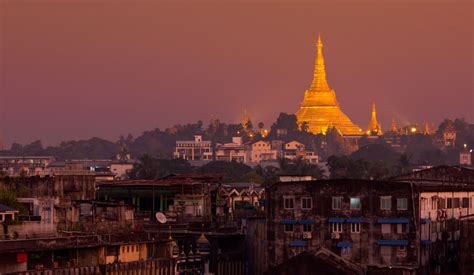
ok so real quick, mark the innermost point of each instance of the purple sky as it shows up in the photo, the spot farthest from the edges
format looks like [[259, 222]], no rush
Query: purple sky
[[77, 69]]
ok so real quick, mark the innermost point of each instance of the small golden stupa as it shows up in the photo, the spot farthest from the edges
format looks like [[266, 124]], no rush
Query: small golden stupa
[[374, 126], [320, 108]]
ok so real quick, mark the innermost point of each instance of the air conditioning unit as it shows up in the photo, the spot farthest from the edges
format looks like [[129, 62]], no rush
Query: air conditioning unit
[[307, 235], [335, 235]]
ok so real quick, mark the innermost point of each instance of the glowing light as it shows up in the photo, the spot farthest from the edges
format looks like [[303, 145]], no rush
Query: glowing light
[[413, 129]]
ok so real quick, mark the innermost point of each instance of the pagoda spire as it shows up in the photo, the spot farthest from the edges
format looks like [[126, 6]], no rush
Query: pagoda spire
[[319, 79], [393, 127], [245, 120], [374, 125], [426, 130]]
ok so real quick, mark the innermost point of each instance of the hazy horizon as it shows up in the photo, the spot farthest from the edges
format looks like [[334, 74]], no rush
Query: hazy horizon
[[77, 70]]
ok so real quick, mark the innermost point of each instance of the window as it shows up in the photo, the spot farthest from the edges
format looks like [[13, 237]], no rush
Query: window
[[441, 203], [336, 203], [355, 227], [128, 249], [345, 251], [402, 228], [306, 203], [289, 228], [355, 203], [453, 202], [123, 249], [307, 227], [456, 202], [402, 203], [386, 228], [289, 202], [402, 248], [433, 203], [465, 202], [386, 203], [336, 227]]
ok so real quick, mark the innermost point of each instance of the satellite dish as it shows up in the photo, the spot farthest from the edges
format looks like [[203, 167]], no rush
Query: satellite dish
[[160, 217]]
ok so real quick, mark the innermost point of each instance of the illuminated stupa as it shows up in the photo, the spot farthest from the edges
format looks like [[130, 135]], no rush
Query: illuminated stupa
[[320, 109], [374, 126]]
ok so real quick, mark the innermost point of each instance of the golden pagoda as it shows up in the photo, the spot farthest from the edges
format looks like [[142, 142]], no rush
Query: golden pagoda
[[426, 130], [320, 109], [393, 127], [374, 126], [245, 120]]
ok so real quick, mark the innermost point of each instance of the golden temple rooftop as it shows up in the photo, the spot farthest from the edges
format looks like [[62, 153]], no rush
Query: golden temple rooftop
[[320, 108]]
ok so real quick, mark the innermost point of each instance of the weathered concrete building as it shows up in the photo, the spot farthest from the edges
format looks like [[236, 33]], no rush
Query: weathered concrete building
[[180, 197], [409, 224], [371, 223], [89, 254], [466, 244], [445, 197]]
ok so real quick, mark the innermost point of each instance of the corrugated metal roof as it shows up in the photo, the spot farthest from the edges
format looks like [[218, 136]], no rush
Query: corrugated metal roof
[[344, 244], [6, 208], [355, 219], [336, 219], [297, 243], [425, 242], [393, 242], [305, 222], [393, 220]]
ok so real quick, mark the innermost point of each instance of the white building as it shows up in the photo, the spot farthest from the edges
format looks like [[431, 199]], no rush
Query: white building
[[262, 151], [234, 151], [295, 149], [28, 165], [196, 149]]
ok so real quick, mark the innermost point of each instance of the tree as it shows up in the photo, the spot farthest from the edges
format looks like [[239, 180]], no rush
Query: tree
[[8, 198], [404, 164], [152, 168], [252, 176], [347, 167], [249, 125], [147, 168], [304, 126], [377, 152], [232, 170], [299, 167], [286, 122]]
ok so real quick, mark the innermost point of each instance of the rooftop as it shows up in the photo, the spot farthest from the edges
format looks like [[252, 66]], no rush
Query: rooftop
[[4, 208]]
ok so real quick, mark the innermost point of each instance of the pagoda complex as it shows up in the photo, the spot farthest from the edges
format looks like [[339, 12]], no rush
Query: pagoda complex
[[320, 109]]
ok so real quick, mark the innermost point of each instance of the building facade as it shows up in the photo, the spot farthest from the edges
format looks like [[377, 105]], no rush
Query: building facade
[[294, 150], [366, 222], [262, 151], [234, 151], [196, 149]]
